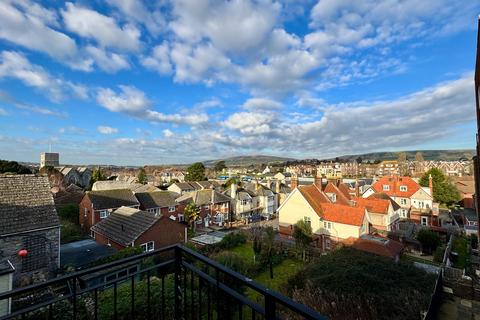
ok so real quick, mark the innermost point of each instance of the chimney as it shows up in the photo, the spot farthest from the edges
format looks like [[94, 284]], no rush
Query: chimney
[[269, 183], [317, 181], [255, 183], [233, 190], [294, 182], [277, 186], [430, 184]]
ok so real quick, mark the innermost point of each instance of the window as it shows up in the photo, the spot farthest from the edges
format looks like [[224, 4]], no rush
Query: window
[[307, 220], [85, 213], [92, 234], [181, 217], [327, 225], [386, 187], [171, 209], [404, 213], [327, 244], [103, 214], [424, 221], [147, 247], [403, 201], [403, 188]]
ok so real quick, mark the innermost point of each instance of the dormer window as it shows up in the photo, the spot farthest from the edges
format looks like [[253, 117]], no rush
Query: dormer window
[[403, 188], [332, 197], [386, 187]]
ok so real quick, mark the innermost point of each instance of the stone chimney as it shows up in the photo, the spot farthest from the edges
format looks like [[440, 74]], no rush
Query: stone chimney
[[294, 182], [430, 184], [277, 186], [357, 188], [233, 190]]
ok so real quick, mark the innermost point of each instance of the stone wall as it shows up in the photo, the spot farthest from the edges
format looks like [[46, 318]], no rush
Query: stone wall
[[43, 257]]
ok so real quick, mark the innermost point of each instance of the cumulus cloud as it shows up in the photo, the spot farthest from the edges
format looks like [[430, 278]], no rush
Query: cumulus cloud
[[159, 60], [15, 65], [104, 30], [107, 61], [107, 130], [167, 133], [129, 99]]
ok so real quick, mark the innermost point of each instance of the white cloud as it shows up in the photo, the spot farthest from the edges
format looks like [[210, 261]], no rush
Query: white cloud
[[104, 30], [251, 123], [129, 99], [137, 11], [15, 65], [3, 112], [107, 61], [190, 119], [261, 104], [159, 60], [107, 130], [29, 29], [168, 133]]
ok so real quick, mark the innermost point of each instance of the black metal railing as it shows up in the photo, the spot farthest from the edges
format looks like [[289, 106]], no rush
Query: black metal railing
[[170, 283]]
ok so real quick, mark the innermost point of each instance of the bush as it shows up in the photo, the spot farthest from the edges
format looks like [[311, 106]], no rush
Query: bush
[[70, 232], [474, 241], [68, 212], [124, 253], [232, 240], [439, 253], [232, 261], [429, 240]]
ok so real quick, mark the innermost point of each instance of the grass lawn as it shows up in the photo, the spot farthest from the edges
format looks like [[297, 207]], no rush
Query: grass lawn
[[412, 258], [245, 251], [281, 273]]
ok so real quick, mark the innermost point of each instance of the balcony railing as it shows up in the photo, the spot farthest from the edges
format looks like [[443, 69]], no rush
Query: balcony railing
[[170, 283]]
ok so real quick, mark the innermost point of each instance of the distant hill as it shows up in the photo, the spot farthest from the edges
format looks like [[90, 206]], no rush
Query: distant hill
[[446, 155], [248, 160]]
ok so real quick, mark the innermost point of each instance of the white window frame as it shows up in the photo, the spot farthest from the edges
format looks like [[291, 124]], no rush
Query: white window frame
[[327, 225], [148, 246], [308, 220], [386, 187], [171, 209], [103, 214], [181, 217], [403, 188], [92, 234], [403, 201], [424, 221]]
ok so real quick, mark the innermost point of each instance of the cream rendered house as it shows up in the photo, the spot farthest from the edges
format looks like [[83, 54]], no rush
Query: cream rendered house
[[331, 222]]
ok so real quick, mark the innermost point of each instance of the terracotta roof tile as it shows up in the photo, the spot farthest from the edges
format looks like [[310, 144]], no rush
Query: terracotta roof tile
[[335, 212], [394, 184], [379, 245], [373, 205]]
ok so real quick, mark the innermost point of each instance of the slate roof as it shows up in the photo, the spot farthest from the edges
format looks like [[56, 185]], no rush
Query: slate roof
[[260, 191], [201, 197], [156, 199], [107, 199], [26, 203], [125, 224]]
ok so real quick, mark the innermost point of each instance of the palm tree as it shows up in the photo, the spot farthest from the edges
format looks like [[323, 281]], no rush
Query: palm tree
[[302, 232], [192, 213]]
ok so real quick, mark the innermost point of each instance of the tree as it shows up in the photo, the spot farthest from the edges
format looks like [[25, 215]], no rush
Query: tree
[[419, 157], [230, 181], [402, 157], [269, 240], [219, 166], [13, 167], [196, 172], [192, 213], [142, 176], [402, 162], [302, 232], [443, 189], [257, 234], [429, 240]]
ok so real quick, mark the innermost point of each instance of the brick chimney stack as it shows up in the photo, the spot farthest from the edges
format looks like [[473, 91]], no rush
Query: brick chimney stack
[[430, 184], [294, 182], [357, 188], [317, 180]]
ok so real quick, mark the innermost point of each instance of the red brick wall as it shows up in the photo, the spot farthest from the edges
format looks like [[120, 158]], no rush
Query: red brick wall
[[85, 221], [164, 232], [104, 240]]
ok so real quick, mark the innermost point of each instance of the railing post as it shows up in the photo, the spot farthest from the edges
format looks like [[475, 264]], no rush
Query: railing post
[[270, 313], [178, 291]]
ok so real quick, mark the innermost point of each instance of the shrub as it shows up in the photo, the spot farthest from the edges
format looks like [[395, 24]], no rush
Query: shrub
[[68, 212], [70, 232], [439, 253], [474, 241], [429, 240], [232, 240]]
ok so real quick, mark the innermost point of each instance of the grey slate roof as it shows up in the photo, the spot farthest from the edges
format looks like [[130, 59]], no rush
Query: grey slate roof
[[201, 197], [106, 199], [156, 199], [125, 224], [26, 203], [259, 190]]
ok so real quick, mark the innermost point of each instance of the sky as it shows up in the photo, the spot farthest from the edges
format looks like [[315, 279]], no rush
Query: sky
[[130, 82]]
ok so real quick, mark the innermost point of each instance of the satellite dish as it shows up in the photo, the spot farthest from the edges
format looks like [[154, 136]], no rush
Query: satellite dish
[[55, 190]]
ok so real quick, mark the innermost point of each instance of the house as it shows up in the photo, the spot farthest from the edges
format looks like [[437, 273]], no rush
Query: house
[[331, 223], [266, 198], [97, 205], [129, 227], [182, 187], [115, 184], [72, 194], [214, 206], [382, 215], [160, 202], [380, 246], [416, 202], [282, 176], [466, 186], [244, 203], [29, 228], [388, 168]]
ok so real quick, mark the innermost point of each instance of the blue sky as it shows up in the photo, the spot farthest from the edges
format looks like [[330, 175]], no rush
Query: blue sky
[[132, 82]]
